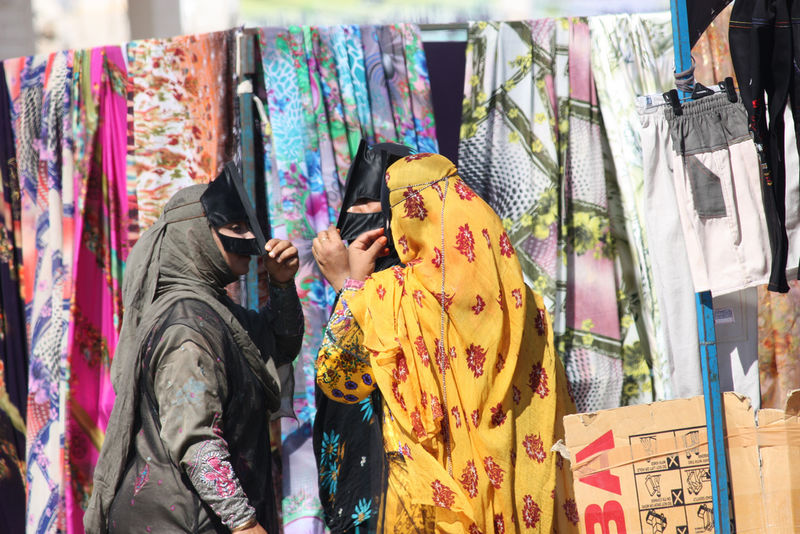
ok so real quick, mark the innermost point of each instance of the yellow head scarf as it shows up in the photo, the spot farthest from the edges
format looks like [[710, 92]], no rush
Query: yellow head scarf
[[463, 355]]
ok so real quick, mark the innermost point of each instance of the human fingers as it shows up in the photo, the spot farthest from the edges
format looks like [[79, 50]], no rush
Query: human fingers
[[271, 243], [278, 248], [286, 254], [365, 240], [378, 247]]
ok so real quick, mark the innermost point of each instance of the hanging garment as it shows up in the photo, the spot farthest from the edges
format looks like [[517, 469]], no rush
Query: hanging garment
[[326, 89], [778, 344], [40, 92], [532, 146], [765, 48], [182, 129], [13, 356], [692, 166], [716, 177], [99, 107], [632, 55]]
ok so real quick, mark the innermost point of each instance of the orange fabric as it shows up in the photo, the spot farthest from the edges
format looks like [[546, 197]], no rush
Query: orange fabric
[[494, 385]]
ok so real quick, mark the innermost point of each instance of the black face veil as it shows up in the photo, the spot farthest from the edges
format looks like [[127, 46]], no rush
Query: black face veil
[[225, 201], [364, 181]]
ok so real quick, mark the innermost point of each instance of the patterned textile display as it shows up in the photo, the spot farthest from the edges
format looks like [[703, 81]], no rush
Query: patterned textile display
[[13, 357], [327, 87], [532, 146], [99, 107], [462, 352], [632, 56], [181, 131], [778, 344], [39, 88]]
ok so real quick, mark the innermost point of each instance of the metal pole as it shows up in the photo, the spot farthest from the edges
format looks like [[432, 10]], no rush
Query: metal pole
[[715, 424], [245, 43]]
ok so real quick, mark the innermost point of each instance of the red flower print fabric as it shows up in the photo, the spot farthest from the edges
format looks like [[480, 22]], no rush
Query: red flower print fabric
[[535, 448], [469, 479], [538, 380], [479, 305], [465, 243], [493, 471], [443, 496], [415, 207], [476, 357], [531, 513]]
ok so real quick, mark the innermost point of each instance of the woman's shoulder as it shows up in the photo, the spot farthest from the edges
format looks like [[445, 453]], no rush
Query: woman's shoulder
[[189, 319]]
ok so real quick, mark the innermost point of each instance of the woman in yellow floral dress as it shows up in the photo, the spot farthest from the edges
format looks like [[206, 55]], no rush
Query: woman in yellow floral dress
[[462, 352]]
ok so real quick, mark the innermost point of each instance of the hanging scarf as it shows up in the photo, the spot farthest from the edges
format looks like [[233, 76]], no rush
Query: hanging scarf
[[175, 259], [463, 356]]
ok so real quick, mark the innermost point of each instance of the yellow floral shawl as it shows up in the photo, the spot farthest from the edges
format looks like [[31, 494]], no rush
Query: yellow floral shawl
[[476, 412]]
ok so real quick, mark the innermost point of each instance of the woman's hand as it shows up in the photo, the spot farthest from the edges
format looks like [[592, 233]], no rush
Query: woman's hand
[[282, 260], [332, 257], [363, 252]]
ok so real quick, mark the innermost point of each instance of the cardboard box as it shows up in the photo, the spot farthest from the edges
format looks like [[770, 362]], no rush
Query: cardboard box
[[645, 468]]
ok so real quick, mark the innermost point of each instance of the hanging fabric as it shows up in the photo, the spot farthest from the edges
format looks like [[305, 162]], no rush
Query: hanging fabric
[[631, 56], [765, 52], [13, 356], [39, 88], [98, 108], [182, 129], [532, 146], [712, 53], [778, 344], [327, 87]]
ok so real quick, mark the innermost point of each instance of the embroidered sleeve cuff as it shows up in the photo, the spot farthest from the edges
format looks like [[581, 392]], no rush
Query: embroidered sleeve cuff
[[352, 285], [212, 476]]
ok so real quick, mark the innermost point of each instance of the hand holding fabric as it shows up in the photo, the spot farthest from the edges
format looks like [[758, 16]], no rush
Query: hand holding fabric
[[282, 260], [331, 255], [363, 252]]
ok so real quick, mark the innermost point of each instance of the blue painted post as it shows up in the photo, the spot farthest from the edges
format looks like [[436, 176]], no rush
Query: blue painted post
[[715, 424]]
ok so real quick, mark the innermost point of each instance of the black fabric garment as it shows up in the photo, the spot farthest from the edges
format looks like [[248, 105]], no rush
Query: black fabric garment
[[446, 66], [13, 354], [761, 42]]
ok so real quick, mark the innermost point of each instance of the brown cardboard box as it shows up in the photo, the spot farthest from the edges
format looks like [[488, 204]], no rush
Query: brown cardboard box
[[645, 468]]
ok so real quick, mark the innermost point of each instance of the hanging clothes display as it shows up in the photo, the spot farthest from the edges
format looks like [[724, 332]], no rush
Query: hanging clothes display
[[765, 51], [531, 145], [39, 88], [706, 231], [13, 356], [99, 108], [182, 132], [326, 89], [632, 55]]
